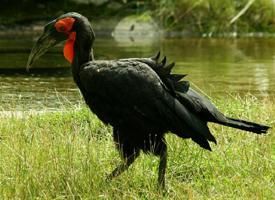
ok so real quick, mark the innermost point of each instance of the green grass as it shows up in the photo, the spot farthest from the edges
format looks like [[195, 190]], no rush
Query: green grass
[[67, 155]]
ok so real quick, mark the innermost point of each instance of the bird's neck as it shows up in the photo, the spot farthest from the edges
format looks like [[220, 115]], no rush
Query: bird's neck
[[83, 53]]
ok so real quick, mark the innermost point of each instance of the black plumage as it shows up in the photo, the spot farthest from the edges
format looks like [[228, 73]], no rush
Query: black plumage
[[140, 98]]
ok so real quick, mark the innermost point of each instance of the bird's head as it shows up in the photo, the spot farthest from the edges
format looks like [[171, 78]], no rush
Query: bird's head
[[65, 27]]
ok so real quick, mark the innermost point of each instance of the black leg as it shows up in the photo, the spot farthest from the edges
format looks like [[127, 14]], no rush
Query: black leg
[[122, 167], [127, 153], [162, 166]]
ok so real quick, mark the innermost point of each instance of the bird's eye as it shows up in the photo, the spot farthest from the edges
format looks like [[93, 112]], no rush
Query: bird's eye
[[64, 25], [62, 28]]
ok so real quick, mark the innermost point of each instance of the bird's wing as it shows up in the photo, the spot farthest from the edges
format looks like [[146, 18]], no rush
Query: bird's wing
[[181, 89], [201, 105], [132, 91], [172, 81]]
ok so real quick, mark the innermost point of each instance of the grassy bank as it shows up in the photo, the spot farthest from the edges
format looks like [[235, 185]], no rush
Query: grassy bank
[[67, 155]]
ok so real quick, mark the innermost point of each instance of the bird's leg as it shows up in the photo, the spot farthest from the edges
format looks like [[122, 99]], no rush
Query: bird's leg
[[122, 167], [162, 166], [128, 154]]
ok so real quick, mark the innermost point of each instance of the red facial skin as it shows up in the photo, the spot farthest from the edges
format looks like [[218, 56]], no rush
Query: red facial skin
[[65, 25]]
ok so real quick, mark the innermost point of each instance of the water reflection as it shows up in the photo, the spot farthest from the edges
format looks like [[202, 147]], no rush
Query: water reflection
[[217, 66]]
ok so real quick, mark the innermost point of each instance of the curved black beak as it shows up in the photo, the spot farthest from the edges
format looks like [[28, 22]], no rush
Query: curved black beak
[[48, 39], [42, 45]]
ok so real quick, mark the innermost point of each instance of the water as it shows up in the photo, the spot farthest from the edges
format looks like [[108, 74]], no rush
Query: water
[[217, 66]]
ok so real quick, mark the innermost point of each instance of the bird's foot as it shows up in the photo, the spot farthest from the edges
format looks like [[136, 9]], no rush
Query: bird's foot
[[109, 177]]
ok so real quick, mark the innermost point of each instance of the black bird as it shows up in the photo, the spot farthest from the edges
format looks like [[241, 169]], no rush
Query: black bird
[[139, 97]]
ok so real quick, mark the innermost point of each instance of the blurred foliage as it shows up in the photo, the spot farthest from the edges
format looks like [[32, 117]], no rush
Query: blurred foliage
[[199, 16], [213, 16], [27, 11]]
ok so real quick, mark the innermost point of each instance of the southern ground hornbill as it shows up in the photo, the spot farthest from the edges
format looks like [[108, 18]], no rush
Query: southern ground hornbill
[[139, 97]]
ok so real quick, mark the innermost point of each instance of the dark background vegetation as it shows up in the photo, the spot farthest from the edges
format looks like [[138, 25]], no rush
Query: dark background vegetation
[[200, 16], [28, 11]]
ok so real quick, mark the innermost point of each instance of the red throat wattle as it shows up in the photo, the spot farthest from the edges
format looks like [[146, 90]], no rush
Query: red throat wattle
[[68, 50], [65, 26]]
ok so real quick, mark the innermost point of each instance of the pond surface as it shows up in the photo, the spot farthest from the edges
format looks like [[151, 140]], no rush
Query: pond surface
[[217, 66]]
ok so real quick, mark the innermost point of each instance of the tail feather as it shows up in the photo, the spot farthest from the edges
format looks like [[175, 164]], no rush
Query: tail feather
[[245, 125]]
